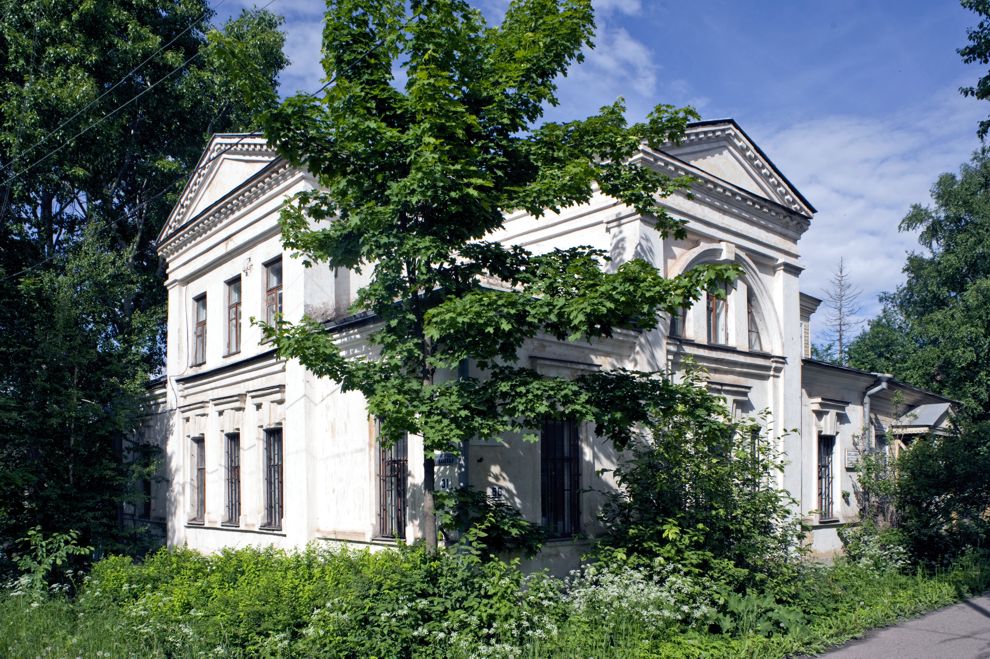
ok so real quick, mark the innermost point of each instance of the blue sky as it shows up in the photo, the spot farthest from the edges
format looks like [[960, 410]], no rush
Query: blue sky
[[855, 101]]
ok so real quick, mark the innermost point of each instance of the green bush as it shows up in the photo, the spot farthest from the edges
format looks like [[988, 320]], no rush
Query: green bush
[[699, 490], [403, 602]]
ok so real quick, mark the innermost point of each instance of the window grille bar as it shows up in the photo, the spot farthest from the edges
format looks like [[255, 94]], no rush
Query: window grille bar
[[826, 447], [274, 491], [560, 478], [233, 458], [393, 470]]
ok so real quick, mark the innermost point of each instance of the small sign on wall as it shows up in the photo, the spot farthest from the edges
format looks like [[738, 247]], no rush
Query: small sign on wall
[[852, 459]]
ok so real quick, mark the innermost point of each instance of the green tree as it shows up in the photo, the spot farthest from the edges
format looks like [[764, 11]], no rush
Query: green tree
[[104, 109], [416, 176], [934, 332], [935, 329], [978, 50]]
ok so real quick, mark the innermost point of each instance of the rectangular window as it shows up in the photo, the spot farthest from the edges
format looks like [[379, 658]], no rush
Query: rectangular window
[[393, 472], [146, 500], [678, 323], [755, 342], [718, 326], [199, 331], [197, 485], [233, 316], [826, 447], [560, 478], [232, 514], [273, 290], [273, 480]]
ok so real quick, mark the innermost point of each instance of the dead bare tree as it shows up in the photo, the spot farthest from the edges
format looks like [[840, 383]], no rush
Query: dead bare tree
[[842, 301]]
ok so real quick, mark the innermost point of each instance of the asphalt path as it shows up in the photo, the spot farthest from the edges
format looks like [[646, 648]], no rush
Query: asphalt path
[[957, 632]]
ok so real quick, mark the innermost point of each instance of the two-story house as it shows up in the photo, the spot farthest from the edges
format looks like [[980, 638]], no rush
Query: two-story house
[[260, 451]]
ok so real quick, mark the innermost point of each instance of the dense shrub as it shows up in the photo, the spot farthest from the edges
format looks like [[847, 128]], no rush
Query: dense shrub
[[942, 494], [323, 602], [404, 603], [699, 490]]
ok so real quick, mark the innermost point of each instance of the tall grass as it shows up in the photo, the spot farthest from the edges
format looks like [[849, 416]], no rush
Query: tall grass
[[266, 603]]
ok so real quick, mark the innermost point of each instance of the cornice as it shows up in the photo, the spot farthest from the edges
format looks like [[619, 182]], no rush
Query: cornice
[[703, 135], [729, 198], [200, 226]]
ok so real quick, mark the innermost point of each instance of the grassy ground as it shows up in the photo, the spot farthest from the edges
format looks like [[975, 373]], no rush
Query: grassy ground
[[828, 606]]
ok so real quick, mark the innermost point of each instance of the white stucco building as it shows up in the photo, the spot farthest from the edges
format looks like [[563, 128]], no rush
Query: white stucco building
[[259, 451]]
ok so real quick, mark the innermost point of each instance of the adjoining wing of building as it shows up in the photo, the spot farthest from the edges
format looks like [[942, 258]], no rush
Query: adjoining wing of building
[[260, 451]]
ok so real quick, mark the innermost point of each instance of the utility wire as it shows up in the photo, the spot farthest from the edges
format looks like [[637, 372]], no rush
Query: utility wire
[[99, 98], [134, 212], [111, 113]]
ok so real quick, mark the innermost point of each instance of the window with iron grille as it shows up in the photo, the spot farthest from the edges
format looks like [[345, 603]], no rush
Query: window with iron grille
[[197, 513], [560, 478], [718, 325], [233, 316], [826, 447], [273, 480], [273, 290], [232, 459], [393, 472], [199, 331]]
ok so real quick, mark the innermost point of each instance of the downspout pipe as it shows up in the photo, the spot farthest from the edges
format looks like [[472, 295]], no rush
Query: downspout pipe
[[883, 379]]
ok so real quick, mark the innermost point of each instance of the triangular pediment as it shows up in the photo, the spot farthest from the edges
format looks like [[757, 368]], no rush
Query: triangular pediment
[[721, 149], [228, 161]]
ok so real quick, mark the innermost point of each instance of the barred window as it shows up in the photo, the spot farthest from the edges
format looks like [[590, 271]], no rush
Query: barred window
[[560, 476], [826, 448], [273, 480], [393, 472], [232, 513], [197, 485]]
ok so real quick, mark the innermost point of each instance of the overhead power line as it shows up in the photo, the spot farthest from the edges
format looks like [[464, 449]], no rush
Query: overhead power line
[[122, 80], [141, 205], [106, 116]]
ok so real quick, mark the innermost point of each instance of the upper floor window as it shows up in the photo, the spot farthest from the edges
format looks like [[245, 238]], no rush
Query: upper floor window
[[234, 316], [718, 317], [755, 342], [199, 331], [273, 290], [678, 323]]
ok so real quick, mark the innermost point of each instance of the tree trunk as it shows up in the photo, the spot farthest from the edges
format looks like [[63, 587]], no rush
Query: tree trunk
[[429, 505]]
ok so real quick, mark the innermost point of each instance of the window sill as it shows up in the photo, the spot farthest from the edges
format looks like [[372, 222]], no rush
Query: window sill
[[235, 529], [195, 522], [231, 354], [829, 521], [230, 525]]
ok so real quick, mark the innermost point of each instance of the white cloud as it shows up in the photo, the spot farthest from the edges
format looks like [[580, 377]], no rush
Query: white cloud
[[863, 174]]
